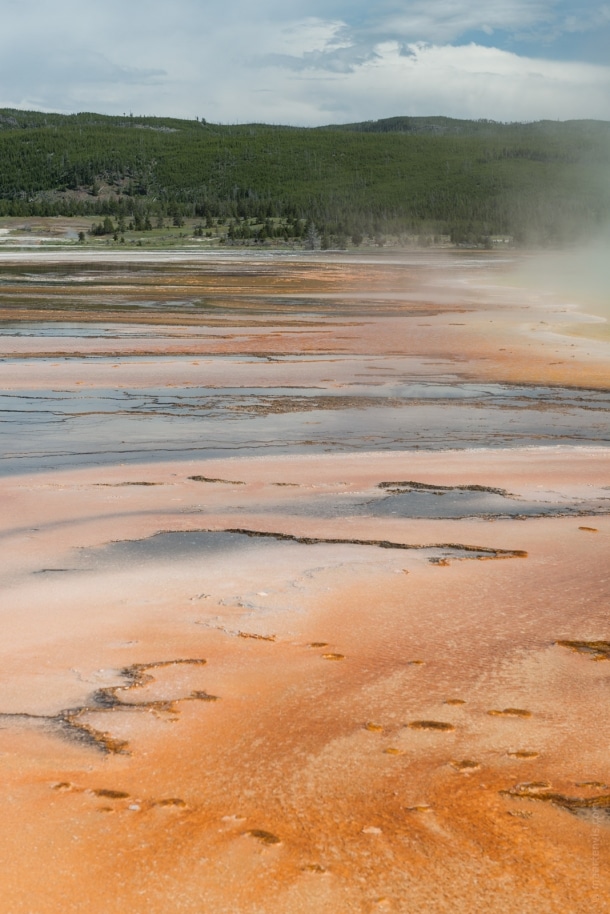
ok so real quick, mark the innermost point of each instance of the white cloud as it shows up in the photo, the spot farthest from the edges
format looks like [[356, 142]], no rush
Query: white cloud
[[446, 20], [288, 61], [471, 82]]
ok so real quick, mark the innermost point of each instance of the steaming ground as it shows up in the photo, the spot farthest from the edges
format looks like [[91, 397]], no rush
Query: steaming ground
[[305, 590], [578, 277]]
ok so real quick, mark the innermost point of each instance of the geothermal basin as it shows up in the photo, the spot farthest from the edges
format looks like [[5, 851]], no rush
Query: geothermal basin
[[305, 586]]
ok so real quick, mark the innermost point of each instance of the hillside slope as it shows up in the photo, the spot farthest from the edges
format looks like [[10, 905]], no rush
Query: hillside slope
[[543, 182]]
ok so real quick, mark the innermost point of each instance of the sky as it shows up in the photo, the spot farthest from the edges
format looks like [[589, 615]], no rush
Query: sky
[[308, 62]]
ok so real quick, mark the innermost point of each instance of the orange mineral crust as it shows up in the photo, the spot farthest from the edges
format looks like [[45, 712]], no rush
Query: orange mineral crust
[[473, 314], [304, 587], [314, 720]]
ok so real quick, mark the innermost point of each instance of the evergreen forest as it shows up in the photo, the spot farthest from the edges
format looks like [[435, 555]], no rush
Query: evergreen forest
[[543, 183]]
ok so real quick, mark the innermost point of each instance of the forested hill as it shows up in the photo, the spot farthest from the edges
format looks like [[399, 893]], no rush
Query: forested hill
[[541, 182]]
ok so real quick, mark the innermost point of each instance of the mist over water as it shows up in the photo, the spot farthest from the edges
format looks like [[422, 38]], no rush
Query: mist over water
[[580, 277]]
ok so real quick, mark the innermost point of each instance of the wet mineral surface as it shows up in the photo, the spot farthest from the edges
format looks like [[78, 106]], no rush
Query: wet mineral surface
[[305, 589]]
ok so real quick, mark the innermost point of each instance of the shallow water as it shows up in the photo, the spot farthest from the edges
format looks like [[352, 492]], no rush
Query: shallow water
[[286, 356], [74, 428]]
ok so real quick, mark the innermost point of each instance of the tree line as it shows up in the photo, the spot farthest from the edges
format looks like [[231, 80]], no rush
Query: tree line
[[467, 179]]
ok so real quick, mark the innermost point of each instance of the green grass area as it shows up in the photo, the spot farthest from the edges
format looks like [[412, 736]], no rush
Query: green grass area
[[272, 233]]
